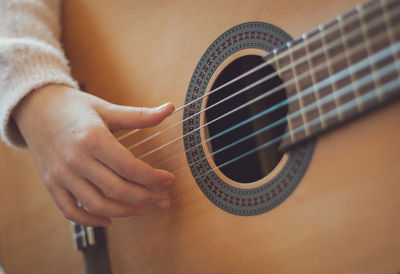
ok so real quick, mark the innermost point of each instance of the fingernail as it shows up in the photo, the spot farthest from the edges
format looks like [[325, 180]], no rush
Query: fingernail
[[164, 106], [163, 203]]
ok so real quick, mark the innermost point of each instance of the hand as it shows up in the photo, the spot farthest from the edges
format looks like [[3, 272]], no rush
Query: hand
[[68, 133]]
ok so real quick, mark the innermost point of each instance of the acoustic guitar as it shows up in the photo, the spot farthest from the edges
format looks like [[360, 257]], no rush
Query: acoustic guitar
[[286, 152]]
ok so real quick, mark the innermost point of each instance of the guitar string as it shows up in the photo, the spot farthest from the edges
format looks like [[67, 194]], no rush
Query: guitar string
[[348, 106], [260, 81], [343, 91], [387, 52], [303, 75], [218, 118], [287, 46], [326, 27], [395, 83]]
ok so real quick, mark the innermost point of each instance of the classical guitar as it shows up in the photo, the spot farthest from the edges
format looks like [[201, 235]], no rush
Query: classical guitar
[[286, 152]]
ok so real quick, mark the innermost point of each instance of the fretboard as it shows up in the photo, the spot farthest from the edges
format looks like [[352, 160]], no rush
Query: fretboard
[[340, 70]]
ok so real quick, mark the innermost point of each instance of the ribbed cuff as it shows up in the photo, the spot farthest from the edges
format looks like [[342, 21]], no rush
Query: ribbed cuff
[[32, 69]]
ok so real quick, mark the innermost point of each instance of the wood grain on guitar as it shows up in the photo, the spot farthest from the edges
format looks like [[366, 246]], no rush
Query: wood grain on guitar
[[339, 219]]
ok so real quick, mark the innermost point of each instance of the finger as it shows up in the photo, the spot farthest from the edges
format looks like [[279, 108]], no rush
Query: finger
[[124, 117], [118, 158], [119, 189], [68, 206], [95, 202]]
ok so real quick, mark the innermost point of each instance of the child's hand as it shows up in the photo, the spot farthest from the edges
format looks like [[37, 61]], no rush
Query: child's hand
[[68, 133]]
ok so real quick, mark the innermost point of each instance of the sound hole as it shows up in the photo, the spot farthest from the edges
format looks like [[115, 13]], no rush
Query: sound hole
[[257, 165]]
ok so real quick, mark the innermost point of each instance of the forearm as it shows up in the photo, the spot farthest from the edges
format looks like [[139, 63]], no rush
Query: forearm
[[30, 56], [68, 132]]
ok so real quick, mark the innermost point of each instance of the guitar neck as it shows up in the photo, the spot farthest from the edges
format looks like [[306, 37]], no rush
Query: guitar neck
[[340, 70]]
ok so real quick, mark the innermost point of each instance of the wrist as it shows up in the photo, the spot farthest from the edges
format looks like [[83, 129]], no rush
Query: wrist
[[30, 107]]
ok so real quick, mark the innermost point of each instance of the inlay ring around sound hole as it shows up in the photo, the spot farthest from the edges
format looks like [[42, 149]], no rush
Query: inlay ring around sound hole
[[245, 201]]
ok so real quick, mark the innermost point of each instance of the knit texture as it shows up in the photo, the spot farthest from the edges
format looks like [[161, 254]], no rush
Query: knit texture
[[30, 57]]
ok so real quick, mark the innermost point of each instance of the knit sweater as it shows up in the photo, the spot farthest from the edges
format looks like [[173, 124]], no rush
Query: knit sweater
[[30, 56]]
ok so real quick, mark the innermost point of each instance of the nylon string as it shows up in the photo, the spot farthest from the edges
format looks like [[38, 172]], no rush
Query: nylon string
[[342, 91], [331, 114], [313, 38], [346, 89], [339, 75]]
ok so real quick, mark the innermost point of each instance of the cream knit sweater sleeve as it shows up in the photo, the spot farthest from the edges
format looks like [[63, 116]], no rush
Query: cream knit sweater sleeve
[[30, 56]]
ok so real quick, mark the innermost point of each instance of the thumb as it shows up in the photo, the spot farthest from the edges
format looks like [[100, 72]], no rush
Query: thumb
[[124, 117]]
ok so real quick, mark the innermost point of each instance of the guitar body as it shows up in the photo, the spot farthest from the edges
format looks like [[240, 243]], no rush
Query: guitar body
[[341, 217]]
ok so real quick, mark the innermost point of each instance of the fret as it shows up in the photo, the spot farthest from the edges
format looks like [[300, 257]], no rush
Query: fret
[[318, 60], [394, 34], [394, 21], [390, 6], [306, 85], [329, 52], [320, 75], [363, 55], [354, 56], [349, 96], [314, 81], [283, 66], [368, 35], [391, 86], [295, 68], [353, 66]]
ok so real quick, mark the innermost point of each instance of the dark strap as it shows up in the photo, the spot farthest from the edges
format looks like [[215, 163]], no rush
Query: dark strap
[[96, 256]]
